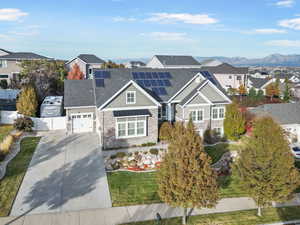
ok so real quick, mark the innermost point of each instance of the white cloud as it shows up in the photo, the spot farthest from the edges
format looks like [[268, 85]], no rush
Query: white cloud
[[285, 3], [268, 31], [11, 14], [284, 43], [166, 36], [123, 19], [182, 17], [291, 23]]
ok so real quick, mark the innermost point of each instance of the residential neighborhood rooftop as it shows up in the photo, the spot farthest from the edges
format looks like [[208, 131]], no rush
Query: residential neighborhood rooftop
[[23, 55], [176, 60], [90, 58], [226, 68]]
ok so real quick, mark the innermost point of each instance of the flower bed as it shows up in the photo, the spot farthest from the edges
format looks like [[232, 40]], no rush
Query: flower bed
[[136, 161]]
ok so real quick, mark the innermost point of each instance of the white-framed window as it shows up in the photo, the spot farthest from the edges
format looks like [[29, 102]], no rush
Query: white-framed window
[[131, 127], [3, 64], [196, 115], [130, 97], [163, 112], [218, 131], [218, 113]]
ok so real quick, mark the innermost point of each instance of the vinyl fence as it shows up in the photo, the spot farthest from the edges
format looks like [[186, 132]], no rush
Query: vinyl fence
[[40, 124]]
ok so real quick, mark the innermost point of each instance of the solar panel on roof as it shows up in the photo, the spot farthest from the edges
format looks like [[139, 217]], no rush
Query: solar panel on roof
[[162, 91], [167, 83], [147, 83], [155, 90], [135, 75], [161, 75], [160, 83], [153, 83], [208, 76], [168, 75], [141, 75], [140, 82], [101, 74], [99, 82], [155, 75], [148, 75]]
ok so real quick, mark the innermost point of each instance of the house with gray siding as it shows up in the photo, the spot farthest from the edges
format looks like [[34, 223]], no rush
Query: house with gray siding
[[10, 63], [86, 63], [126, 106], [173, 61]]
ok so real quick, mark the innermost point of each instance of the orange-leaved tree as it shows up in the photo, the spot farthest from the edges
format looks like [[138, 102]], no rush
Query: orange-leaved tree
[[75, 73]]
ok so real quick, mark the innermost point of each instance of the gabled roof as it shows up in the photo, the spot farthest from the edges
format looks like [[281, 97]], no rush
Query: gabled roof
[[23, 56], [90, 58], [258, 82], [118, 78], [283, 113], [3, 50], [191, 94], [225, 68], [177, 60], [79, 93]]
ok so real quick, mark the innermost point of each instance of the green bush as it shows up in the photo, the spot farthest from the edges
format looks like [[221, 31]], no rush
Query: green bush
[[23, 124], [148, 144], [113, 156], [165, 131], [154, 151], [120, 154]]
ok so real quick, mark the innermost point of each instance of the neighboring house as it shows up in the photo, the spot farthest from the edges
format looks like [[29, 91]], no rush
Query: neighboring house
[[126, 106], [291, 77], [258, 83], [211, 62], [135, 64], [86, 63], [228, 75], [173, 61], [10, 63], [286, 114]]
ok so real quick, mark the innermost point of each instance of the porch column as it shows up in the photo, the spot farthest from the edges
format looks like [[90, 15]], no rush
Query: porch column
[[169, 112]]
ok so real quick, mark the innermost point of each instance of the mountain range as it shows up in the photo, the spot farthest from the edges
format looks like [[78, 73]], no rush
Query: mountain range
[[271, 60]]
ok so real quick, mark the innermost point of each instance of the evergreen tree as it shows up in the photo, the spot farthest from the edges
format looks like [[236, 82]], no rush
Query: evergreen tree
[[287, 92], [27, 103], [252, 93], [186, 178], [266, 165], [234, 122], [260, 95]]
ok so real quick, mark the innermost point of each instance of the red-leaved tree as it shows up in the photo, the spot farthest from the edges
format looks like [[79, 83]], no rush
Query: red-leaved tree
[[75, 73]]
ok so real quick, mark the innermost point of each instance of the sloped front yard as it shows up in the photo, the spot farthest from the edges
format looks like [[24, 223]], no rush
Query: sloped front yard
[[16, 170]]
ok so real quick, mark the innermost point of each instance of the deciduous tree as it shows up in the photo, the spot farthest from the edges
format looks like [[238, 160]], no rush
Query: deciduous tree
[[186, 178], [110, 64], [27, 103], [272, 90], [242, 90], [75, 73], [266, 165], [234, 122]]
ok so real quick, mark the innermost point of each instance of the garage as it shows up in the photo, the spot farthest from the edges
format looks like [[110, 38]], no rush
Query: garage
[[82, 122]]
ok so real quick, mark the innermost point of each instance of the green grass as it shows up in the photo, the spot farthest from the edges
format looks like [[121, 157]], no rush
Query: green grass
[[5, 130], [16, 170], [129, 188], [247, 217]]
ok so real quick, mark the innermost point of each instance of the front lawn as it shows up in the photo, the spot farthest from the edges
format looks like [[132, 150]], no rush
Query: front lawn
[[247, 217], [16, 170], [5, 130]]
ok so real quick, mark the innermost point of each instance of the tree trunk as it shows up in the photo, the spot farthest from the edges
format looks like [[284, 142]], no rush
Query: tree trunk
[[259, 211], [184, 216]]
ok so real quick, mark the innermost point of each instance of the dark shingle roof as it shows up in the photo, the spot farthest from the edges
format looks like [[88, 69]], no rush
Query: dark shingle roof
[[23, 55], [90, 58], [258, 82], [226, 68], [283, 113], [190, 95], [79, 93], [177, 60]]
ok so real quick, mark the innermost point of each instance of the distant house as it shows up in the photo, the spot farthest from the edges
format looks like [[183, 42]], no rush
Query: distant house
[[10, 63], [134, 64], [211, 62], [290, 77], [258, 83], [286, 114], [228, 75], [173, 62], [86, 63]]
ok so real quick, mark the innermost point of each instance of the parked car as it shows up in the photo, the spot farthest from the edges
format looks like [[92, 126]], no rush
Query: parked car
[[296, 151]]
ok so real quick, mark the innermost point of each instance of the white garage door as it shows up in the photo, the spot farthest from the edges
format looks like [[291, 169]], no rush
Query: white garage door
[[82, 122]]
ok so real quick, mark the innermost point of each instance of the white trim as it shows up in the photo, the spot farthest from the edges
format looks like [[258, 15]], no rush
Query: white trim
[[123, 88], [177, 93], [130, 108], [266, 84], [134, 97], [197, 115], [218, 112], [74, 59], [135, 128], [196, 105], [198, 93]]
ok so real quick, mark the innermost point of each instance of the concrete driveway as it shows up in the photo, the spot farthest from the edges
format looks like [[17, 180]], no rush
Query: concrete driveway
[[66, 174]]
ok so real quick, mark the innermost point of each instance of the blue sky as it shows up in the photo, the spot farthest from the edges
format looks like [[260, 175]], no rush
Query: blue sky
[[141, 28]]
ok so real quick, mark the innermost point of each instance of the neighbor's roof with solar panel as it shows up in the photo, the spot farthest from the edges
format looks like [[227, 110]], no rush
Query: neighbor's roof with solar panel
[[162, 84]]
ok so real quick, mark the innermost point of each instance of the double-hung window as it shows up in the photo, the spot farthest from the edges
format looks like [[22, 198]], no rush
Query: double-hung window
[[3, 63], [196, 115], [131, 127], [218, 113], [130, 97]]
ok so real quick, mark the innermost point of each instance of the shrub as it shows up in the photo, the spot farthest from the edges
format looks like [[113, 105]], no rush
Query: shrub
[[6, 144], [148, 144], [23, 124], [120, 154], [207, 136], [165, 131], [154, 151], [113, 156]]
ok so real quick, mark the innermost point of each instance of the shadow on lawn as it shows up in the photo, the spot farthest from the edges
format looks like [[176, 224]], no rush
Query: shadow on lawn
[[288, 213]]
